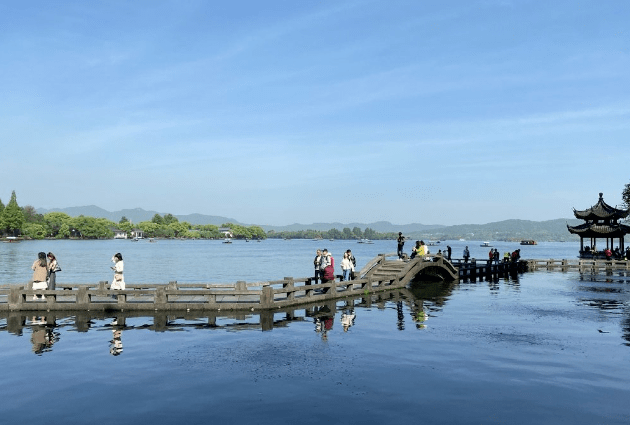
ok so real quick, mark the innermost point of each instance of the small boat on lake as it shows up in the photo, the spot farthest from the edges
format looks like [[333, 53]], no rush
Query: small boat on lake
[[529, 242], [227, 240], [486, 244]]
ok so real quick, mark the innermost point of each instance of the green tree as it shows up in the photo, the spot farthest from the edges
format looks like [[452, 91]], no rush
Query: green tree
[[369, 233], [150, 228], [170, 218], [157, 219], [356, 231], [93, 228], [13, 217], [180, 230], [35, 230], [347, 233], [1, 222], [625, 195], [123, 219], [31, 216], [125, 226], [64, 231], [257, 232], [55, 221], [334, 234]]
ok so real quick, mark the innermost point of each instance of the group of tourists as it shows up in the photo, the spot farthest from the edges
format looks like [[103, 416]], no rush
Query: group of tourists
[[46, 267], [324, 264], [45, 270], [610, 254]]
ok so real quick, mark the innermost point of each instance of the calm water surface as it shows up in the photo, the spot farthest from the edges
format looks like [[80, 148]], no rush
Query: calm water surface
[[546, 347]]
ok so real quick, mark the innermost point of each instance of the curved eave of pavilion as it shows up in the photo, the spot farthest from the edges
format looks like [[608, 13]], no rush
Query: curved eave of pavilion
[[601, 211], [591, 230]]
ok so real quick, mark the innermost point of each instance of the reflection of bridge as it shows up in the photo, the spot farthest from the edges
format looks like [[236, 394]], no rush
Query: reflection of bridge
[[176, 321], [380, 274]]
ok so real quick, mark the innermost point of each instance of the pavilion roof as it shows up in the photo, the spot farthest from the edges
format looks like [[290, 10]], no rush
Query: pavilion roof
[[594, 230], [601, 211]]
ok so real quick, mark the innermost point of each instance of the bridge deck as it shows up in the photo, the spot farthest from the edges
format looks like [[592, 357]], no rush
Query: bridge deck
[[380, 274]]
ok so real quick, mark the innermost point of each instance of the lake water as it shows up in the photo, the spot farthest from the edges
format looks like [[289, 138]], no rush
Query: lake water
[[546, 347]]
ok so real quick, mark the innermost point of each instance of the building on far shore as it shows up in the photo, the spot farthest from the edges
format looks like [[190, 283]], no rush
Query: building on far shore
[[119, 234], [601, 221]]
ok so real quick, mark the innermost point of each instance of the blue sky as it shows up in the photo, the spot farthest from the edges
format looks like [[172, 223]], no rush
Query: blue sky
[[279, 112]]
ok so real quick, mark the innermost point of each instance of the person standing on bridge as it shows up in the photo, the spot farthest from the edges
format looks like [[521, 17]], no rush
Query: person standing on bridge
[[346, 266], [466, 254], [448, 251], [327, 267], [118, 268], [40, 273], [53, 268], [317, 263], [401, 243], [353, 261]]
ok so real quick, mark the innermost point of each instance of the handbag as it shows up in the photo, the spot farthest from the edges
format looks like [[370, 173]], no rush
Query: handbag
[[329, 272], [118, 277]]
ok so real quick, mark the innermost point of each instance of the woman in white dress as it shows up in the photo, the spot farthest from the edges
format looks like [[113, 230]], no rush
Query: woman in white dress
[[118, 268]]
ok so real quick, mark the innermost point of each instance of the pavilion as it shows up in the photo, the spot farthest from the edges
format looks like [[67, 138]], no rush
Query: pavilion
[[601, 222]]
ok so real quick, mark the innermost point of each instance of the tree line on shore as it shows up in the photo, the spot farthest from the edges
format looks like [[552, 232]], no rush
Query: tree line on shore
[[26, 222], [346, 233]]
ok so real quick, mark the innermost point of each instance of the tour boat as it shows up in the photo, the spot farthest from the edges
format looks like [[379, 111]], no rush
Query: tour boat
[[486, 244], [529, 242]]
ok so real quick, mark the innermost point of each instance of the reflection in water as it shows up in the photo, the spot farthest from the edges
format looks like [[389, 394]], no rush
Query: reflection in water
[[401, 316], [42, 335], [347, 319], [322, 315], [115, 345], [422, 300]]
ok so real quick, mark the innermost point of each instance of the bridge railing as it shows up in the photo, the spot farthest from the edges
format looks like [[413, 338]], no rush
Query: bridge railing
[[173, 296], [579, 264]]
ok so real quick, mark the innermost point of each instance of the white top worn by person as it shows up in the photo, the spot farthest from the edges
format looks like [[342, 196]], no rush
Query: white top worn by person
[[119, 266], [346, 264]]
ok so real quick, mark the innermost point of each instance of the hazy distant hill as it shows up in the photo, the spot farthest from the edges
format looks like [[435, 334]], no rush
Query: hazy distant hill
[[550, 230], [379, 226], [136, 215]]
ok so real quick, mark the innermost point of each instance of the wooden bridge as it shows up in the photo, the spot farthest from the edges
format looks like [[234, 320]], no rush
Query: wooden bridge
[[380, 274]]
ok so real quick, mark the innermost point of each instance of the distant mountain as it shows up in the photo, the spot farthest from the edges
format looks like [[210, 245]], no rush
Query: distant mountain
[[379, 226], [550, 230], [136, 215]]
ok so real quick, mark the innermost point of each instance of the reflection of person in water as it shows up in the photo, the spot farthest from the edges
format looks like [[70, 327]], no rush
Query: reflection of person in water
[[42, 338], [420, 317], [115, 345], [324, 322], [347, 319]]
